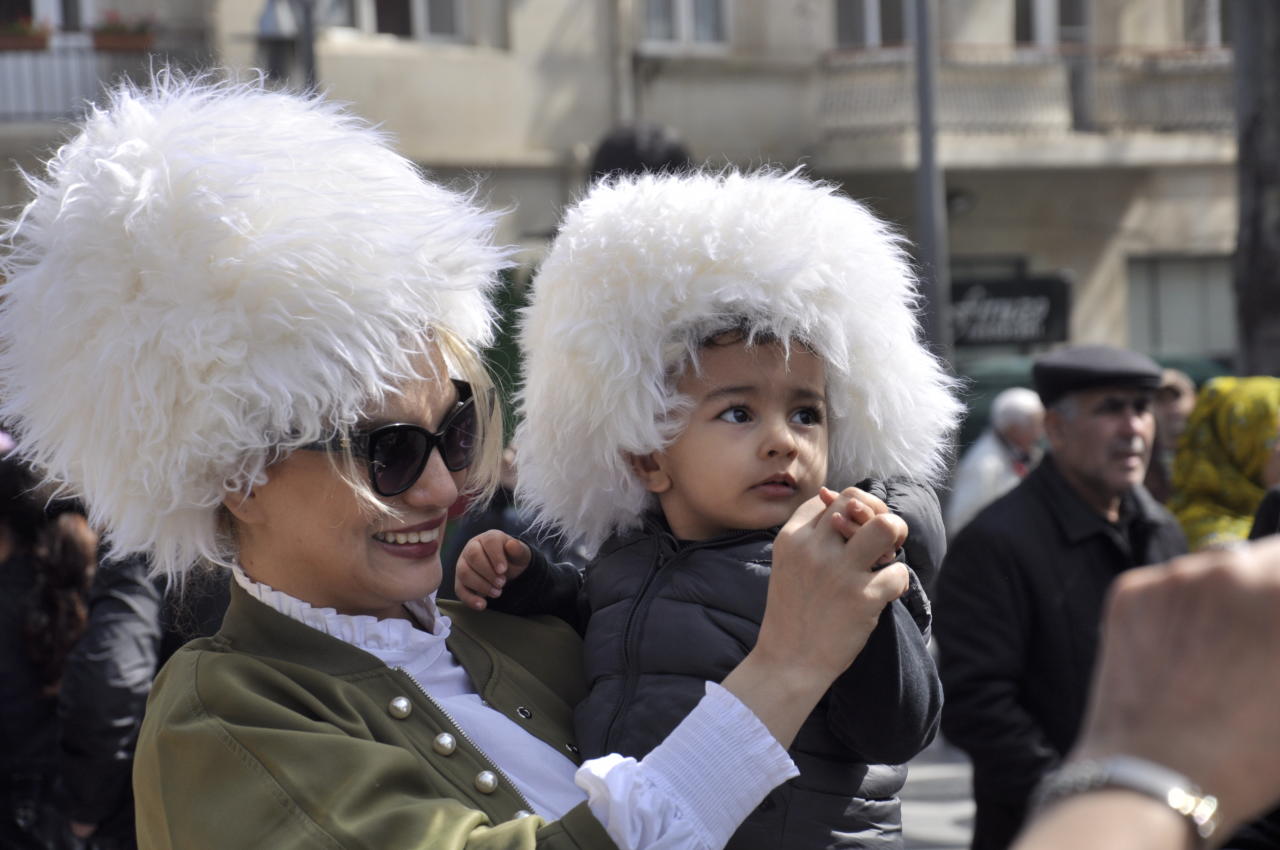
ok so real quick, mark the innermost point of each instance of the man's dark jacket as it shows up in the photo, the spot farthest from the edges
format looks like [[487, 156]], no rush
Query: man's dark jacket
[[665, 616], [1263, 833], [1017, 618]]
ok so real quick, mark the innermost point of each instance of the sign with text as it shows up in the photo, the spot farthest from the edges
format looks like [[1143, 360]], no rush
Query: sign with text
[[1010, 312]]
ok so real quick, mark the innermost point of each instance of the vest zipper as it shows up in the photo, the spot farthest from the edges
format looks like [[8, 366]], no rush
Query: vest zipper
[[528, 807], [631, 630]]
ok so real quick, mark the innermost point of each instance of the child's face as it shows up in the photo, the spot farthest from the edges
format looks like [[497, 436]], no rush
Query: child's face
[[755, 446]]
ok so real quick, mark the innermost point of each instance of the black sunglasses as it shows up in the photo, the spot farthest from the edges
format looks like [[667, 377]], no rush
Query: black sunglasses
[[397, 453]]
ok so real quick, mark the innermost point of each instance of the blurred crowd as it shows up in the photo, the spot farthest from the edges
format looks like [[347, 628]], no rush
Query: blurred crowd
[[1110, 463], [81, 640]]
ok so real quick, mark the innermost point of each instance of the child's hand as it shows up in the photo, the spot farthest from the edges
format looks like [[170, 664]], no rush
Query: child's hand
[[487, 563], [862, 506]]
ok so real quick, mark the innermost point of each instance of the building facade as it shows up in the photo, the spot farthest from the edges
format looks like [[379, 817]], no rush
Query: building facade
[[1085, 141]]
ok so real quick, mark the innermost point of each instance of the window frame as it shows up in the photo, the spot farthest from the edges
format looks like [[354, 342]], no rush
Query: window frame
[[419, 22], [684, 25], [873, 18]]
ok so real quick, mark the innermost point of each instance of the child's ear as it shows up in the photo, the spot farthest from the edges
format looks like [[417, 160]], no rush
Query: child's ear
[[651, 470], [244, 507]]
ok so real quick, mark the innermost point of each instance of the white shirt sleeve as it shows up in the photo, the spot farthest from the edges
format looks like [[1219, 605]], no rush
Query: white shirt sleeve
[[696, 787]]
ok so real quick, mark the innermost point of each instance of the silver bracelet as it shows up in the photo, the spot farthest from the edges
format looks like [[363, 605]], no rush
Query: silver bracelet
[[1133, 774]]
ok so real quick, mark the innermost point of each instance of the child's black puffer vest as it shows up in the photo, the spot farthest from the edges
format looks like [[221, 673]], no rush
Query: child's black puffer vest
[[666, 616]]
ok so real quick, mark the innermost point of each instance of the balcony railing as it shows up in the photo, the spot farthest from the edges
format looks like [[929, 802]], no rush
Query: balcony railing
[[58, 82], [1010, 90]]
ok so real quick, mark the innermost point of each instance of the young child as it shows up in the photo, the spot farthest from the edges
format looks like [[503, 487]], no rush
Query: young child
[[702, 354]]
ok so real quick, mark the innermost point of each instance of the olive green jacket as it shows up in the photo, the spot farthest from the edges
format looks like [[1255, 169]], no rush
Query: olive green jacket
[[272, 734]]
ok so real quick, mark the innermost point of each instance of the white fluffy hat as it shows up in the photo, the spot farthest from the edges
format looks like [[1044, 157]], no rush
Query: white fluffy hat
[[644, 267], [210, 272]]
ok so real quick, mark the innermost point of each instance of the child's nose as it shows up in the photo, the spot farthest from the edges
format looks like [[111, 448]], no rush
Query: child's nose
[[779, 440]]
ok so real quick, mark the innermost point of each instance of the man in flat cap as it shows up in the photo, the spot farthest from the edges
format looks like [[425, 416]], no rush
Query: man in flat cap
[[1020, 595]]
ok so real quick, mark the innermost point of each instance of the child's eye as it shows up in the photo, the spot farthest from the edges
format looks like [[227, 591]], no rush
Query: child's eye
[[737, 415], [807, 416]]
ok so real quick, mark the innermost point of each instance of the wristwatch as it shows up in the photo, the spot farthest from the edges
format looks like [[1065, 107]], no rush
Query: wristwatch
[[1133, 774]]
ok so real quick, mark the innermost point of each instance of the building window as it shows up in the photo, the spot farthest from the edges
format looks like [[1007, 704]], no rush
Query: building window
[[1049, 23], [1208, 23], [1182, 305], [427, 19], [686, 21], [62, 16], [15, 10], [71, 17], [872, 23]]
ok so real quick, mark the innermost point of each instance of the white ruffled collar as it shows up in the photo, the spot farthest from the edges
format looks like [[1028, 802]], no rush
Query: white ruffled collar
[[394, 641]]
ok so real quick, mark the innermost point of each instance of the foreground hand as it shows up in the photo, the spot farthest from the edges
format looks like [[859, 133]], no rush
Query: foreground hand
[[1189, 675], [488, 561], [862, 506]]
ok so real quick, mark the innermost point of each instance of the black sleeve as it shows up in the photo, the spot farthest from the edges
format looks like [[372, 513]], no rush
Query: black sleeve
[[1261, 834], [982, 626], [886, 706], [918, 506], [104, 690], [1267, 520], [545, 587]]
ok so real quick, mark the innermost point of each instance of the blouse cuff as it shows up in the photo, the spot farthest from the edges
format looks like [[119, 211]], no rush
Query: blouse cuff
[[720, 762]]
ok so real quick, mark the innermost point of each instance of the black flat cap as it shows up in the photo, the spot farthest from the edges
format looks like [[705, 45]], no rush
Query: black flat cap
[[1083, 367]]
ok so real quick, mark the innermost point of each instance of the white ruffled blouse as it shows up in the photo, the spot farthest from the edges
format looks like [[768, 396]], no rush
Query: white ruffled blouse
[[691, 791]]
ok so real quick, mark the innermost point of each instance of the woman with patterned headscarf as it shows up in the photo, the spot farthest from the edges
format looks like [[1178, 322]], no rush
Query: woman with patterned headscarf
[[1226, 459]]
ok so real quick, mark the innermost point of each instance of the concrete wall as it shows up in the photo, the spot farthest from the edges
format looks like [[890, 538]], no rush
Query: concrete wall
[[1085, 224], [979, 23], [1150, 25]]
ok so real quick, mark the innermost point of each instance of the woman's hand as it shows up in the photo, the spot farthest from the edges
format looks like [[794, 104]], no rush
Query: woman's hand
[[862, 506], [825, 598], [488, 561]]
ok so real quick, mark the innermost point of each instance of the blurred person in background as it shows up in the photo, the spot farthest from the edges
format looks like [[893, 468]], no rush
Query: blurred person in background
[[1021, 592], [639, 149], [1175, 399], [47, 557], [1227, 459], [1263, 833], [1002, 456], [134, 625]]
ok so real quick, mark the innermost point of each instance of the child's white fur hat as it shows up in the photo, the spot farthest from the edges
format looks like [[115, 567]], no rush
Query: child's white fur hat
[[211, 273], [645, 267]]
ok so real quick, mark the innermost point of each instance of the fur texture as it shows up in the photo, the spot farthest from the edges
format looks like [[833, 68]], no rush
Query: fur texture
[[211, 273], [645, 267]]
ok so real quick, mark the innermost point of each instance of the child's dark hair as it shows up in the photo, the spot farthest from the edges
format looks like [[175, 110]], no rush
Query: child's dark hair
[[62, 550]]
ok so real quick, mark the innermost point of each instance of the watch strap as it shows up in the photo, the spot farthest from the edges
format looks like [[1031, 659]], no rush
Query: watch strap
[[1133, 774]]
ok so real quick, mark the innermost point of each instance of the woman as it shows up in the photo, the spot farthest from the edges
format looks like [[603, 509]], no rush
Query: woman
[[1227, 458], [47, 558], [275, 367]]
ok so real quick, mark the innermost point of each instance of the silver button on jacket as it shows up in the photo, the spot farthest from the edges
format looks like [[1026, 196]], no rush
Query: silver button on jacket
[[444, 744], [486, 782]]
